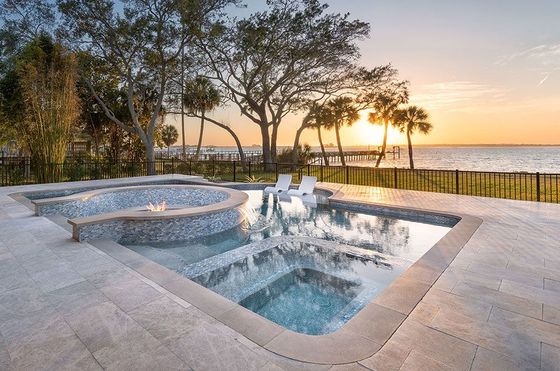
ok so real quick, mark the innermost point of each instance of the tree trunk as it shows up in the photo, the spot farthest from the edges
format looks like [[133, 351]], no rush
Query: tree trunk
[[273, 140], [168, 151], [235, 138], [199, 145], [150, 158], [96, 143], [339, 143], [239, 148], [183, 102], [325, 157], [296, 145], [267, 154], [184, 150], [384, 146], [409, 139]]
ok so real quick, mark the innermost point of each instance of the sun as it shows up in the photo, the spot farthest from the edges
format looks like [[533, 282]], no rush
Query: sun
[[365, 133]]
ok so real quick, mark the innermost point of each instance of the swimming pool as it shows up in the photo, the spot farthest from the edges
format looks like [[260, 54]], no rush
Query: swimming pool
[[306, 266]]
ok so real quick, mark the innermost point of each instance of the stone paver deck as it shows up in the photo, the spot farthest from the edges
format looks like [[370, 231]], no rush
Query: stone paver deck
[[68, 305]]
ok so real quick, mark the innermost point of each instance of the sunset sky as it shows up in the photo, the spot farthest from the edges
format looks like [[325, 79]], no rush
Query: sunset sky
[[488, 71]]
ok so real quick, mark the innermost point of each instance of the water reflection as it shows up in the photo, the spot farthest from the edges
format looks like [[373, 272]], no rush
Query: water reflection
[[272, 216], [303, 287], [281, 216]]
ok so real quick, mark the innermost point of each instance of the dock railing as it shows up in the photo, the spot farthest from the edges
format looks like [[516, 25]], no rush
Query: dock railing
[[543, 187]]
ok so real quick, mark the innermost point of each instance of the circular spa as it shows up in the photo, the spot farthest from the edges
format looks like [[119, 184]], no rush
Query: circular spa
[[148, 213]]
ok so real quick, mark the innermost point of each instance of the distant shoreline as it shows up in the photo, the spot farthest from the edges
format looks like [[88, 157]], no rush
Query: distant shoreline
[[389, 145], [483, 145]]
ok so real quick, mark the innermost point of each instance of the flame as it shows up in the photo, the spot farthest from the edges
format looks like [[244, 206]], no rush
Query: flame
[[157, 207]]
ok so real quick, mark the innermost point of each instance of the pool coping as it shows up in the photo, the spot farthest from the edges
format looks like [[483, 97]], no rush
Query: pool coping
[[359, 338], [21, 196]]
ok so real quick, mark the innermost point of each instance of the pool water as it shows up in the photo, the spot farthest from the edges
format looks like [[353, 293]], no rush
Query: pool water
[[302, 286], [307, 266], [269, 216], [295, 299]]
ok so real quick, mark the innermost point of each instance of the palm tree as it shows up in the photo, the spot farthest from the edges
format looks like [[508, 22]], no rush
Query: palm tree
[[317, 117], [410, 120], [323, 152], [343, 112], [322, 119], [169, 136], [384, 107], [201, 96]]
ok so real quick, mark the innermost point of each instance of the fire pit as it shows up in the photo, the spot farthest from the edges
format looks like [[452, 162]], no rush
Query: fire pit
[[157, 206]]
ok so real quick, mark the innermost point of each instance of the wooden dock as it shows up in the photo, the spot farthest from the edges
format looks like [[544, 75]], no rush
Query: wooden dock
[[349, 156], [253, 156]]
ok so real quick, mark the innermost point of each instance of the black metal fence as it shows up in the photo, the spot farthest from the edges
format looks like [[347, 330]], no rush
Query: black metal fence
[[509, 185]]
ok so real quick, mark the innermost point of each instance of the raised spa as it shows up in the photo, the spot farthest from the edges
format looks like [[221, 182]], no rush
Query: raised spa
[[148, 213], [103, 201]]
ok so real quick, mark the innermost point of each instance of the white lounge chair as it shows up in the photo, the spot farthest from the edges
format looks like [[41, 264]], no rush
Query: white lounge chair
[[282, 185], [306, 187]]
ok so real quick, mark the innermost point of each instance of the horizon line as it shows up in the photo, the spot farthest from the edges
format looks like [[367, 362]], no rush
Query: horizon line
[[398, 144]]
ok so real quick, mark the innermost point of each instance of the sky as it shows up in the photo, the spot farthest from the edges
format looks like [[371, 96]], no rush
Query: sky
[[488, 71]]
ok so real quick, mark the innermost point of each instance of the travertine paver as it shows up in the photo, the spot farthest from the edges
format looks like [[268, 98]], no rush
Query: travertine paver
[[68, 305], [416, 361]]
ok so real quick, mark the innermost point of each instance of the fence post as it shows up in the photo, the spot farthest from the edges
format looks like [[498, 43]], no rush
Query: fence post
[[234, 171], [190, 167], [538, 186], [276, 170], [322, 176], [395, 178], [172, 165], [457, 181], [308, 170], [27, 168], [347, 175]]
